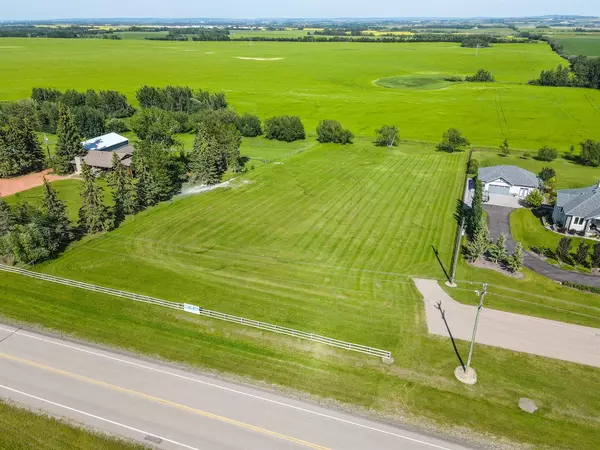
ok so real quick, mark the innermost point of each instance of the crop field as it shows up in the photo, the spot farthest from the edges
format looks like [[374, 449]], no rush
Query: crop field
[[580, 44], [21, 429], [330, 80]]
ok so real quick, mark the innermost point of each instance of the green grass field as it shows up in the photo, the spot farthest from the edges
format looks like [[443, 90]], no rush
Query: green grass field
[[329, 80], [580, 44], [325, 237], [23, 430], [321, 242]]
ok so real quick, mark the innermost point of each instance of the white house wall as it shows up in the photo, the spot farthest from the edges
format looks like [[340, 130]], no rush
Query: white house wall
[[514, 190]]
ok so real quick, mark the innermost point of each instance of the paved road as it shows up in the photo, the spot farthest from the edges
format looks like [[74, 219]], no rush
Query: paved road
[[516, 332], [174, 409], [498, 223]]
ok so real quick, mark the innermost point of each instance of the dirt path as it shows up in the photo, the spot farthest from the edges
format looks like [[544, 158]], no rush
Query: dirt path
[[515, 332], [10, 186]]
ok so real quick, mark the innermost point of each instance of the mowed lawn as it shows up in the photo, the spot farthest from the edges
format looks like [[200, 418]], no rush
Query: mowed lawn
[[329, 81], [319, 242], [290, 242], [21, 429]]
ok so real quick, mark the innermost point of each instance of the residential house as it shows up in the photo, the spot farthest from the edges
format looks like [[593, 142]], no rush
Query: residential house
[[578, 209], [507, 180]]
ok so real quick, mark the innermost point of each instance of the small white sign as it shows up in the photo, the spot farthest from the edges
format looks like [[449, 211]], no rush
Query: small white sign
[[191, 308]]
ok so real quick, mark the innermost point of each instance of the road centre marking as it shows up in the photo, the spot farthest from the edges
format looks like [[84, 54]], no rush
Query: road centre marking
[[163, 401], [206, 383]]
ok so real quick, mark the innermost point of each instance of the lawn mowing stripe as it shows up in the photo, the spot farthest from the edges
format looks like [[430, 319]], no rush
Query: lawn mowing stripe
[[344, 216], [369, 221]]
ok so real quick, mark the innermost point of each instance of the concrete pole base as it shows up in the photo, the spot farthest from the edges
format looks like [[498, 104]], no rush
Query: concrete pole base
[[468, 377], [452, 285]]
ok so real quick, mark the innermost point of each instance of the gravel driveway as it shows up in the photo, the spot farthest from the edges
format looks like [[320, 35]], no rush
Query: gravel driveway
[[498, 223]]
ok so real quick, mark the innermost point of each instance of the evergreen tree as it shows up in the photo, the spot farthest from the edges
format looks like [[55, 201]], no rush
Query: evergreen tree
[[478, 245], [205, 163], [55, 212], [7, 217], [123, 189], [582, 253], [20, 149], [68, 144], [563, 249], [497, 250], [516, 260], [504, 148], [159, 175], [595, 255], [474, 220], [93, 214]]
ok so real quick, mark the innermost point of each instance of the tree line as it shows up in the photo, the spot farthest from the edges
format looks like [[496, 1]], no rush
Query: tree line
[[582, 72], [70, 32], [421, 37]]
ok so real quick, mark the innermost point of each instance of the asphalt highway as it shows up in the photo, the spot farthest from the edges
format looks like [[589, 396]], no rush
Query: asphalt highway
[[169, 408]]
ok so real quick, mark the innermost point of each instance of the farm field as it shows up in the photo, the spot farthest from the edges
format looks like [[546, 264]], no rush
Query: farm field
[[331, 80], [21, 429], [580, 44], [321, 242]]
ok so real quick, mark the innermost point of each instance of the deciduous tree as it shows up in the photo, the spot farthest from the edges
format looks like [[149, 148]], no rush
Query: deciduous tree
[[453, 141], [387, 136]]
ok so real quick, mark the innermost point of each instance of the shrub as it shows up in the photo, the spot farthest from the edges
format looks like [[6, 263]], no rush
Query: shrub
[[454, 79], [332, 131], [473, 167], [248, 125], [547, 173], [482, 76], [284, 128], [590, 153], [582, 287], [534, 199], [116, 126], [526, 155], [547, 154]]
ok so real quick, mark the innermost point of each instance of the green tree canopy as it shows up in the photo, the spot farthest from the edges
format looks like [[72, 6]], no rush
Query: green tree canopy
[[453, 141], [332, 131], [387, 135]]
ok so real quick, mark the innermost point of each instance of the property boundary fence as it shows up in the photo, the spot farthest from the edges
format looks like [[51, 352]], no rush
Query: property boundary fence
[[193, 309]]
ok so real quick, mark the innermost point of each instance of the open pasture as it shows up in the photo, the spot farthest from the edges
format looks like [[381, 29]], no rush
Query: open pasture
[[329, 80]]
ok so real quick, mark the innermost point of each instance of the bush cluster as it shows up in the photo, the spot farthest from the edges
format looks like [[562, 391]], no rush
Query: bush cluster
[[332, 131], [284, 128]]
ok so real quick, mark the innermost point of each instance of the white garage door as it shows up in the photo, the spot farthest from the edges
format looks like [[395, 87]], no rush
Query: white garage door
[[502, 190]]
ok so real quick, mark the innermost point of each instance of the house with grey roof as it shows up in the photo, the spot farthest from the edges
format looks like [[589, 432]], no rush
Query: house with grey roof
[[507, 180], [578, 209]]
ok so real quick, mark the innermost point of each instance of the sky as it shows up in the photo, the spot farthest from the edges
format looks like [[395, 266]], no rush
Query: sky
[[62, 9]]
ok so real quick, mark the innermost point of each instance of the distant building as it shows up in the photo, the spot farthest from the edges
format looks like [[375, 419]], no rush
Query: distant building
[[106, 143]]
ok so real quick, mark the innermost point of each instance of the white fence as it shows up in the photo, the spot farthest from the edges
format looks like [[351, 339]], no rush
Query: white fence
[[193, 309]]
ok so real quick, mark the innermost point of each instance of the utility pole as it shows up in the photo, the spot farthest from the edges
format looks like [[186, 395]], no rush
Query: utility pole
[[450, 282], [479, 308]]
